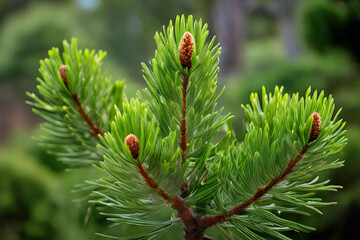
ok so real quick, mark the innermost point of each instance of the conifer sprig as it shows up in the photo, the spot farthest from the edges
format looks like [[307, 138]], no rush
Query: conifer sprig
[[166, 99], [77, 102], [163, 150], [240, 209]]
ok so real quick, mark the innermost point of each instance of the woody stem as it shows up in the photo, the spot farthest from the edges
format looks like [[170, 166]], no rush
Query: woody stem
[[239, 209], [152, 184], [95, 129], [194, 224], [183, 144]]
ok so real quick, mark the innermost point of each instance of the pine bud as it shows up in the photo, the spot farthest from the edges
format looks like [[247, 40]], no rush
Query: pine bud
[[186, 49], [315, 129], [133, 144], [62, 72]]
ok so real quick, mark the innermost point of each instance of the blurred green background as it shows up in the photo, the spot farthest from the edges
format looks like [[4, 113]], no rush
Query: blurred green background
[[297, 44]]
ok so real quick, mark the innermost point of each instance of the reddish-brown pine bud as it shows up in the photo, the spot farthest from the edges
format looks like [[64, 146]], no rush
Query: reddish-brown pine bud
[[62, 72], [186, 49], [315, 129], [133, 144]]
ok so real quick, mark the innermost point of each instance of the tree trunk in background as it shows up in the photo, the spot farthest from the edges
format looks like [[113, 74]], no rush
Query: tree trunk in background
[[229, 18], [285, 10]]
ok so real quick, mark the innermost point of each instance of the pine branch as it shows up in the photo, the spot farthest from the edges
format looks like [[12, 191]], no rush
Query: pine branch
[[276, 129], [194, 224], [75, 98], [95, 129], [185, 56], [164, 148], [241, 208]]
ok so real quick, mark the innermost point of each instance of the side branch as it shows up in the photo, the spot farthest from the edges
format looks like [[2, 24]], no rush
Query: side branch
[[152, 184], [183, 144], [240, 209], [95, 129]]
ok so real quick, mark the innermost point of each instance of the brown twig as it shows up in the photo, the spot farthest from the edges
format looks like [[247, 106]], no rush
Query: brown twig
[[183, 143], [95, 129], [152, 184], [195, 225]]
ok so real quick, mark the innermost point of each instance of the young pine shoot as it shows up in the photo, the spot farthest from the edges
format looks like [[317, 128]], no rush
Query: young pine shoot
[[172, 151]]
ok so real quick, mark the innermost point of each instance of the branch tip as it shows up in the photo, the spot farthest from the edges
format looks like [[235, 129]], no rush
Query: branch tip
[[62, 72], [133, 144], [186, 49], [315, 129]]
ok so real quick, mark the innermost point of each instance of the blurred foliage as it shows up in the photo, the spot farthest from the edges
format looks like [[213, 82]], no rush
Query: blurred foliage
[[329, 24], [32, 204], [27, 35], [124, 27], [7, 7]]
